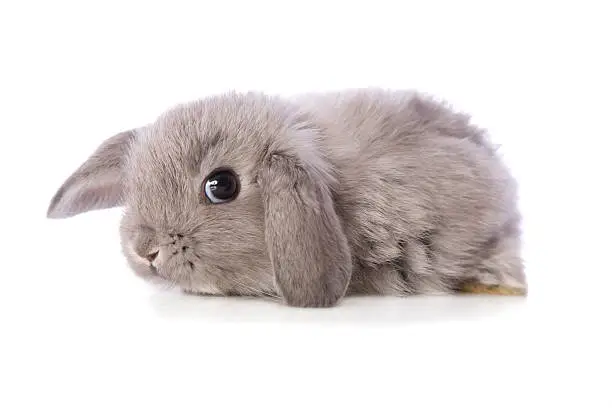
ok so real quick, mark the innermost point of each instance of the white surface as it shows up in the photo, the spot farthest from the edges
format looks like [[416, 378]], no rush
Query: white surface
[[79, 330]]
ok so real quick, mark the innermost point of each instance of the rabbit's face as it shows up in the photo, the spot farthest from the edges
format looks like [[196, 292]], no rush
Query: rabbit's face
[[227, 195], [194, 213]]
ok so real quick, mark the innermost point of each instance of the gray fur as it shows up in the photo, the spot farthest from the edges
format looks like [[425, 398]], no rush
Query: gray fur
[[362, 191]]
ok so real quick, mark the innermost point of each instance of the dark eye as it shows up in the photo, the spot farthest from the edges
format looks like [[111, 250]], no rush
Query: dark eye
[[221, 186]]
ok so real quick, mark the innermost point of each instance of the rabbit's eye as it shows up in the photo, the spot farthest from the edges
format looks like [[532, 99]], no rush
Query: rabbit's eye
[[221, 186]]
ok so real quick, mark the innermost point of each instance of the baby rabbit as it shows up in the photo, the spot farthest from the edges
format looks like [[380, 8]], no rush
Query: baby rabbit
[[308, 199]]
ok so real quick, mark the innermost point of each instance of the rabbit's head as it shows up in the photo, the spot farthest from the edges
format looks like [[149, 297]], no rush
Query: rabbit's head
[[226, 195]]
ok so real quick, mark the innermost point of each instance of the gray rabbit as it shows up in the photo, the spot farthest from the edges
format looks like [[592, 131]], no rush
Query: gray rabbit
[[308, 199]]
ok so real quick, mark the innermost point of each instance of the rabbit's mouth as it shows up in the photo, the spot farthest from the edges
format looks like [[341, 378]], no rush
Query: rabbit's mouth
[[178, 272]]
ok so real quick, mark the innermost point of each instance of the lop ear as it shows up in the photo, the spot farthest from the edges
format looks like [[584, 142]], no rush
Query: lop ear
[[307, 246], [96, 184]]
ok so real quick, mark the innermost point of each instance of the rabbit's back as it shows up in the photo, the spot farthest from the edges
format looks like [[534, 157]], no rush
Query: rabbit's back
[[373, 116]]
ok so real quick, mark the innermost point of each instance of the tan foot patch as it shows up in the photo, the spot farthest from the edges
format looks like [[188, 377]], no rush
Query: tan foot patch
[[480, 288]]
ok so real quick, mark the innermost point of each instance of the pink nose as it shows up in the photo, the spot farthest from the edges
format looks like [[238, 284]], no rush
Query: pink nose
[[152, 256]]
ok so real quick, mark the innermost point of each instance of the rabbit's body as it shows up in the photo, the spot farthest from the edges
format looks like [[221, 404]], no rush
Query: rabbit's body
[[425, 202], [363, 191]]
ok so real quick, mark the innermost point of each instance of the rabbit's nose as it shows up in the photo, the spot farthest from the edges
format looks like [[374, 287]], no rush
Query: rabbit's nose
[[152, 256]]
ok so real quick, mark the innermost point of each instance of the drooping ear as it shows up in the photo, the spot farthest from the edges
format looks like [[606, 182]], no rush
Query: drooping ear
[[306, 243], [96, 184]]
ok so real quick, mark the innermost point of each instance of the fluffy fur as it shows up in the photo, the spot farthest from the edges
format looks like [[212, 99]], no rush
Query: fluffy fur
[[363, 191]]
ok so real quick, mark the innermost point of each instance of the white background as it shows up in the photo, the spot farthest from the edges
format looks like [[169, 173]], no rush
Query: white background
[[79, 330]]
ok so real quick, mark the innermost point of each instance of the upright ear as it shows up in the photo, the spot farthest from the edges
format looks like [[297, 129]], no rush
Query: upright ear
[[306, 243], [96, 184]]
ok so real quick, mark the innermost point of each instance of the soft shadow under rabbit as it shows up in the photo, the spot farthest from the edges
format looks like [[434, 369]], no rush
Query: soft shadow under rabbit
[[308, 199]]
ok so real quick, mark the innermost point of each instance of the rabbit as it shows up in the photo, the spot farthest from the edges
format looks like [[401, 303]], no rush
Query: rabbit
[[308, 199]]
